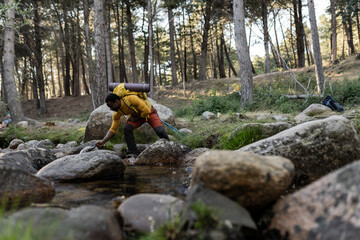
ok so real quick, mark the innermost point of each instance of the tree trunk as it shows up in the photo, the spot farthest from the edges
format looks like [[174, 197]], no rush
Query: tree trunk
[[193, 53], [38, 59], [286, 47], [264, 15], [333, 32], [146, 50], [100, 86], [228, 57], [158, 56], [86, 87], [292, 45], [220, 52], [58, 69], [89, 59], [12, 95], [320, 77], [108, 47], [213, 57], [66, 38], [347, 23], [122, 72], [131, 42], [204, 44], [53, 93], [242, 50], [151, 77], [172, 46], [277, 43], [299, 28]]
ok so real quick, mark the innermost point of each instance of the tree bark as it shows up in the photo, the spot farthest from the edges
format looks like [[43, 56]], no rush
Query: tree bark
[[228, 58], [193, 54], [264, 14], [122, 72], [151, 77], [333, 32], [172, 46], [12, 95], [89, 59], [38, 59], [299, 29], [242, 50], [204, 44], [286, 47], [100, 86], [320, 77], [131, 42], [108, 47], [292, 45]]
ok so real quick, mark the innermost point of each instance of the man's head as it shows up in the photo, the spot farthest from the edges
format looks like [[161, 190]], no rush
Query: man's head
[[113, 102]]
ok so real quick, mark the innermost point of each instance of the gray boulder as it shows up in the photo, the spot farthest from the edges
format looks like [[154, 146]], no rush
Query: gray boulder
[[86, 166], [226, 212], [29, 160], [145, 212], [99, 123], [314, 111], [18, 185], [250, 179], [163, 152], [326, 209], [190, 157], [316, 147], [15, 143], [85, 222], [208, 115]]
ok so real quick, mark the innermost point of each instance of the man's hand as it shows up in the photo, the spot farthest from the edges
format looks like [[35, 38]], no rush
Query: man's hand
[[100, 144]]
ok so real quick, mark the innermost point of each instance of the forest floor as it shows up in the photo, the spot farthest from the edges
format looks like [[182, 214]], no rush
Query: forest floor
[[64, 108]]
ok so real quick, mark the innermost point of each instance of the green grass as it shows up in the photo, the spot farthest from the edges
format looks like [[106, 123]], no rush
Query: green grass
[[241, 138], [56, 135]]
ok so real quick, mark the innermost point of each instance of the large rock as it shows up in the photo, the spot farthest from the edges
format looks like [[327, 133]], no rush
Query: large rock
[[326, 209], [29, 160], [99, 123], [145, 212], [17, 160], [17, 185], [85, 222], [315, 147], [190, 157], [86, 166], [226, 212], [250, 179], [314, 111], [40, 157], [163, 152]]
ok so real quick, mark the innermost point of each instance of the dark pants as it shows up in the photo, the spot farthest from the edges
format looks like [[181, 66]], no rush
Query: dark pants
[[153, 120]]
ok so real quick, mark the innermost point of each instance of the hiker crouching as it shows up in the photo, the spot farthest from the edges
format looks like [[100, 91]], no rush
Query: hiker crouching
[[138, 111]]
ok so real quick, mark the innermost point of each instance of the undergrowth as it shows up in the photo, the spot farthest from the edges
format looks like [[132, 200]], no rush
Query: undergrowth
[[56, 135]]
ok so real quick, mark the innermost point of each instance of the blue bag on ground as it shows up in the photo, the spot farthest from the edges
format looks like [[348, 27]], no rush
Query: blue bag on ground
[[330, 102]]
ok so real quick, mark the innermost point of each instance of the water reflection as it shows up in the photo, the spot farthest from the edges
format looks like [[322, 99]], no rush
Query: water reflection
[[136, 179]]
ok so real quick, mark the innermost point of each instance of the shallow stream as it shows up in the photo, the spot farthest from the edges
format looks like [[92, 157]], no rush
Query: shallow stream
[[136, 179]]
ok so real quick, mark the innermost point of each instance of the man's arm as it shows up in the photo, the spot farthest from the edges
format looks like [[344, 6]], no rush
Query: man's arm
[[114, 126], [108, 135]]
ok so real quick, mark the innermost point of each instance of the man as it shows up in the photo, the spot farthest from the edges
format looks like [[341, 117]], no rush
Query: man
[[138, 111]]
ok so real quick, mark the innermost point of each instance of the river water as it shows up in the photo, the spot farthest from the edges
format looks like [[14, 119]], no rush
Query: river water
[[137, 179]]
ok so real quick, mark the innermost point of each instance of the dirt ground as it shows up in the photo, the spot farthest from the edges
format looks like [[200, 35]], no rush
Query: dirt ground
[[62, 108]]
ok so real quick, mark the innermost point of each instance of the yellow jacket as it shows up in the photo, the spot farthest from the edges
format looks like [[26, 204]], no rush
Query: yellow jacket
[[131, 105]]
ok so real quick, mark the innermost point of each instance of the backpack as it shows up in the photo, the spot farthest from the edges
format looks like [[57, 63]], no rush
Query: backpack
[[122, 92], [330, 102]]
